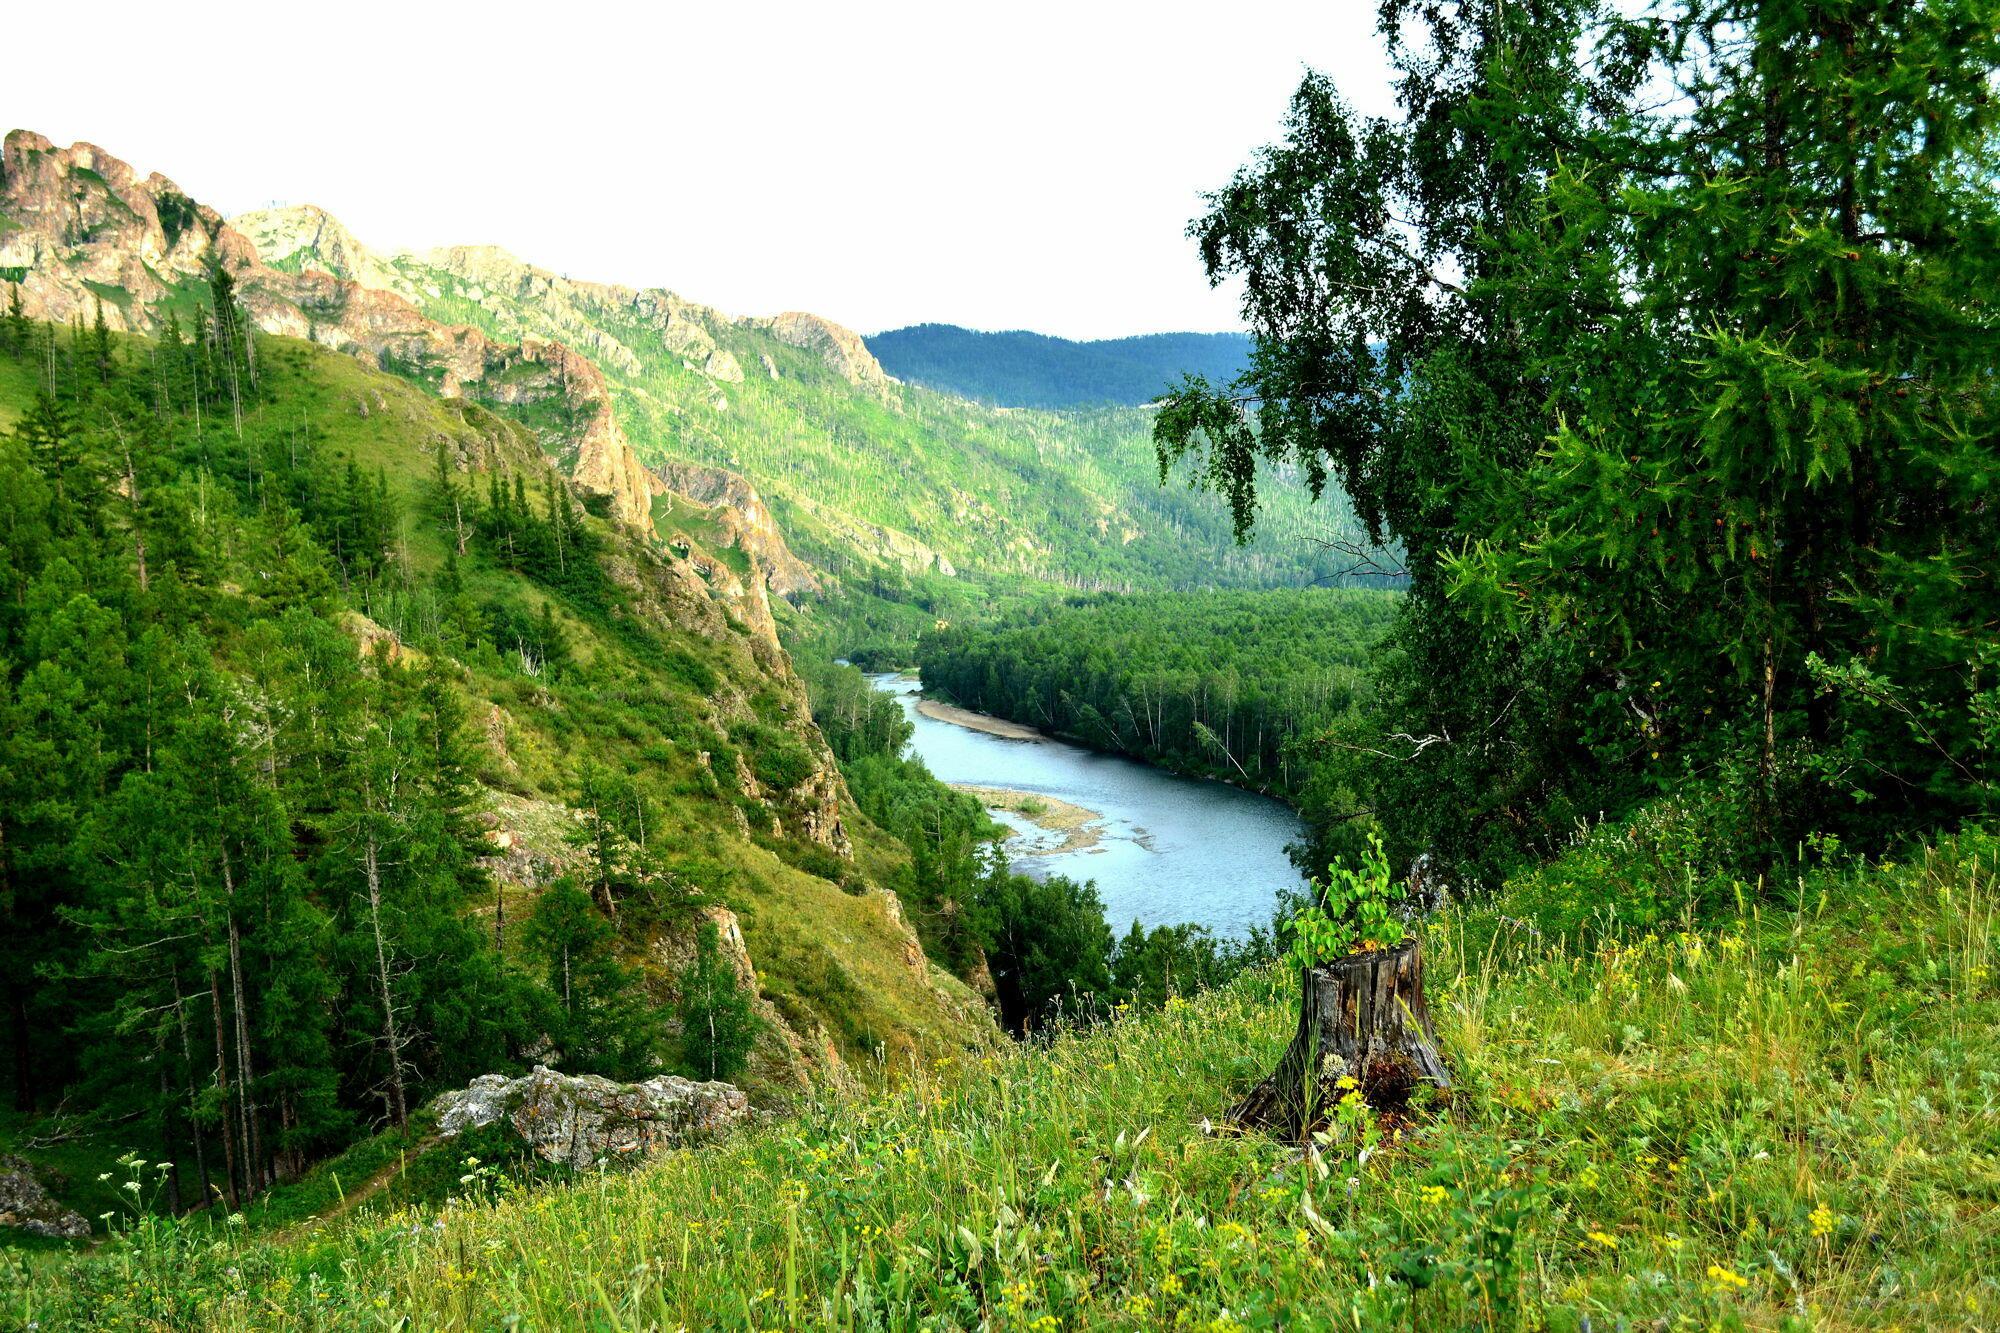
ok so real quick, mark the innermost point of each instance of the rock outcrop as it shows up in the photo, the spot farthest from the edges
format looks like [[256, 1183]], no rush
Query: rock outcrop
[[305, 237], [746, 520], [25, 1205], [86, 230], [840, 348], [555, 305], [580, 1120]]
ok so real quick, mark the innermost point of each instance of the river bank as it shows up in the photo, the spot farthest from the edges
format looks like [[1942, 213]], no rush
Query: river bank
[[964, 717], [1075, 828]]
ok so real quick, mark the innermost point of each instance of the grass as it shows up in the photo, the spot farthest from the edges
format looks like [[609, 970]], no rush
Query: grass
[[1782, 1119]]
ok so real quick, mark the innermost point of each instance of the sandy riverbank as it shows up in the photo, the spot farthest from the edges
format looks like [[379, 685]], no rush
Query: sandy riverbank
[[1079, 827], [992, 726]]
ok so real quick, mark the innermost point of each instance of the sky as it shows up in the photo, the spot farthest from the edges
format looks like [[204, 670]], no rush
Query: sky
[[1027, 165]]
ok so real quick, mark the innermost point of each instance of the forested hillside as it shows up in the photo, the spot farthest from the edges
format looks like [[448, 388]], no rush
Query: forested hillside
[[1021, 369], [345, 756]]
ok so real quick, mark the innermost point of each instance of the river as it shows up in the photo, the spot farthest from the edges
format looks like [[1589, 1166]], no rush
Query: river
[[1163, 849]]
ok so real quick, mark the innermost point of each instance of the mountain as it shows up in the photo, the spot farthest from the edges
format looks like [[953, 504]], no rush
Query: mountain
[[873, 483], [1022, 369]]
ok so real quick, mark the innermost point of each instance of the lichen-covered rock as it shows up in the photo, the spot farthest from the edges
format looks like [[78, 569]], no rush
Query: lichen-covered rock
[[582, 1119], [26, 1205]]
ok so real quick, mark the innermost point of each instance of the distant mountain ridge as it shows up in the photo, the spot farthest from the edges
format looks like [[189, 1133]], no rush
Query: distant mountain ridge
[[1023, 369]]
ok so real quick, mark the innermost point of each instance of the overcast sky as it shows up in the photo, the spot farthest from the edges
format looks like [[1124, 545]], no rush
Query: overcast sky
[[1028, 165]]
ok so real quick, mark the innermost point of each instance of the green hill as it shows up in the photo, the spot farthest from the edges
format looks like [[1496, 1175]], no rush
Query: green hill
[[1022, 369], [1747, 1119]]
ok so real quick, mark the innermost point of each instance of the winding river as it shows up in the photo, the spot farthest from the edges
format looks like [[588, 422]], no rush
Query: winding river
[[1163, 849]]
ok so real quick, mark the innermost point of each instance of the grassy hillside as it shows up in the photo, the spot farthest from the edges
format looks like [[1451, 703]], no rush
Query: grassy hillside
[[1022, 369], [1739, 1116]]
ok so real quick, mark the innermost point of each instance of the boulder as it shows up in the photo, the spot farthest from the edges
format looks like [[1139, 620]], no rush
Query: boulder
[[26, 1205], [582, 1119]]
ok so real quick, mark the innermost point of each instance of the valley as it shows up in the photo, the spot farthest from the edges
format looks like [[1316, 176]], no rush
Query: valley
[[536, 797]]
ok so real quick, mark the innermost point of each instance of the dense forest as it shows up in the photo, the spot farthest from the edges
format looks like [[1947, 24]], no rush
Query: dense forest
[[1670, 372], [1022, 369]]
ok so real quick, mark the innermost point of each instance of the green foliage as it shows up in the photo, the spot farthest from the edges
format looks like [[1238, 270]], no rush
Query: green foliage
[[247, 915], [607, 1024], [718, 1026], [1657, 340], [1047, 946], [1354, 910], [1237, 685]]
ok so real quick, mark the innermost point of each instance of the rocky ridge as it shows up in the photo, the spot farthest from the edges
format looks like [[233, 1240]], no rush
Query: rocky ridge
[[84, 232]]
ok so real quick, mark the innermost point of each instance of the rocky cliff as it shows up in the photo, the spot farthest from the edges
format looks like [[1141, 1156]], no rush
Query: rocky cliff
[[746, 522], [82, 231], [840, 348]]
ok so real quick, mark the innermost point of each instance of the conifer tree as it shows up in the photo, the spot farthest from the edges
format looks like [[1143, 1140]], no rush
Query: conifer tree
[[718, 1026]]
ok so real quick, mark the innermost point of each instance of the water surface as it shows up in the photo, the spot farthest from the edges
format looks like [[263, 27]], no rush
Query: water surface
[[1170, 849]]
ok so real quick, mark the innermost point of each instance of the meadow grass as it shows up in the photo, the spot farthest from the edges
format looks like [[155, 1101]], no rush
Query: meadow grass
[[1787, 1118]]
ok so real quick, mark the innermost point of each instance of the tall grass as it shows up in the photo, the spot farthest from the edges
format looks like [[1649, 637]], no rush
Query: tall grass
[[1786, 1119]]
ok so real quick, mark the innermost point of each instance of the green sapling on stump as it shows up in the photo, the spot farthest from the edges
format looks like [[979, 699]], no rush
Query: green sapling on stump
[[1363, 1022]]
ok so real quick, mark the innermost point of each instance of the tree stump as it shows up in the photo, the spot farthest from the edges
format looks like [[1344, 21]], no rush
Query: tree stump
[[1361, 1017]]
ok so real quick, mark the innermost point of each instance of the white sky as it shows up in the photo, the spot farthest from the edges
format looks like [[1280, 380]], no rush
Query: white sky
[[1027, 165]]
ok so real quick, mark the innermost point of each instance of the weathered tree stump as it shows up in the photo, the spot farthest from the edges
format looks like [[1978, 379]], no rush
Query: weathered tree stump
[[1361, 1017]]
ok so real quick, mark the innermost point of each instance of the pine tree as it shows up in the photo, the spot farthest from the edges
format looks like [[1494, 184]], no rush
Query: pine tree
[[718, 1026], [16, 327], [100, 345]]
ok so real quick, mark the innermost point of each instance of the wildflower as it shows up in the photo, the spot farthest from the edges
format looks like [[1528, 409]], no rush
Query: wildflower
[[1603, 1240], [1822, 1221], [1346, 1082], [1671, 1243], [1726, 1280], [1139, 1305], [1435, 1195]]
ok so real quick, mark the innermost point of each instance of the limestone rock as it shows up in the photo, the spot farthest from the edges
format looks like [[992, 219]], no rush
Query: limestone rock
[[26, 1205], [582, 1119]]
